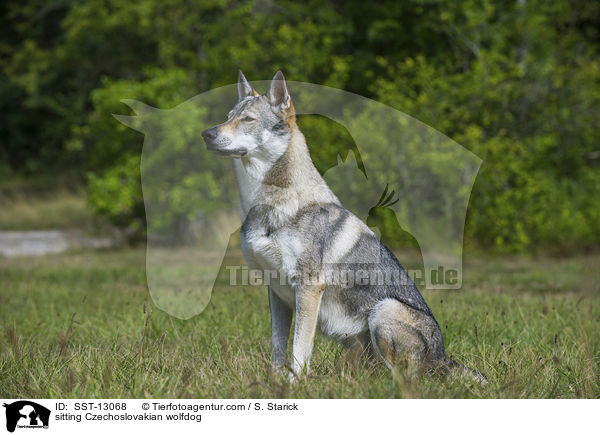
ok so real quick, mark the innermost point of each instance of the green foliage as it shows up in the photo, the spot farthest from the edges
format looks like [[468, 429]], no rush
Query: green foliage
[[117, 194], [515, 82], [524, 103], [113, 149]]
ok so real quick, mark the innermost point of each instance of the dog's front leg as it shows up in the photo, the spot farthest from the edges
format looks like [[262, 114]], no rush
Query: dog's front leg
[[308, 301], [281, 321]]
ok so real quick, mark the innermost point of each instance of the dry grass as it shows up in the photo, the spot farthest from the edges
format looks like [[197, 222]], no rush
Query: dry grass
[[59, 209]]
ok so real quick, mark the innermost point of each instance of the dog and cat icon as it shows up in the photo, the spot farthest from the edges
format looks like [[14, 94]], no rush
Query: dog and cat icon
[[26, 414]]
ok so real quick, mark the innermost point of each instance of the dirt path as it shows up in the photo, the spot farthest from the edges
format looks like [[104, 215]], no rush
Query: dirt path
[[22, 243]]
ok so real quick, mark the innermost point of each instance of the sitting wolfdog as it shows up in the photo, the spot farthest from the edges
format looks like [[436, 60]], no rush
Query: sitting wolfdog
[[295, 225]]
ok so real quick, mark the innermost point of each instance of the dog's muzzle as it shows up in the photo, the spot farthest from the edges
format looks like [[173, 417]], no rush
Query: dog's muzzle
[[210, 136]]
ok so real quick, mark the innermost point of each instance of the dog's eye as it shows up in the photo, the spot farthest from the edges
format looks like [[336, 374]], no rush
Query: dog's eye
[[248, 119]]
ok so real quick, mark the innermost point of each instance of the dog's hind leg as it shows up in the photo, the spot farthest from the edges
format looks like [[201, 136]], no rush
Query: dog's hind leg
[[359, 348], [359, 345], [400, 333]]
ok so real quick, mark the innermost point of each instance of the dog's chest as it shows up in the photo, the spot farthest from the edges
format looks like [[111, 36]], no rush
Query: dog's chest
[[261, 249], [275, 255], [269, 248]]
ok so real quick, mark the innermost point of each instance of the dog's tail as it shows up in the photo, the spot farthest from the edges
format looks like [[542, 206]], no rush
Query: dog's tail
[[462, 371]]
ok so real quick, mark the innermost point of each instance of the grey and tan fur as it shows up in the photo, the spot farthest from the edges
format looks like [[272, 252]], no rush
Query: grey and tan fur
[[294, 224]]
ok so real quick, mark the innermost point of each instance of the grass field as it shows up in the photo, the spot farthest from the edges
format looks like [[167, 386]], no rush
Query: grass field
[[71, 325]]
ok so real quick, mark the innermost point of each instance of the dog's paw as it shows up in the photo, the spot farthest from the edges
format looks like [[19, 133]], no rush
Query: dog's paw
[[280, 371], [292, 377]]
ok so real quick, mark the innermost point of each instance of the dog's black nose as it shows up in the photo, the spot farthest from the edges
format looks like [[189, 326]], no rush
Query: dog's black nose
[[209, 134]]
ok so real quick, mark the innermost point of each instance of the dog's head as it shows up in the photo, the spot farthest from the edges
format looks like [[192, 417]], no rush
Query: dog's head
[[258, 125]]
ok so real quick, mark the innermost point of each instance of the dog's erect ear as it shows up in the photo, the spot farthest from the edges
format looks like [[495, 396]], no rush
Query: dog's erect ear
[[244, 88], [278, 94]]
